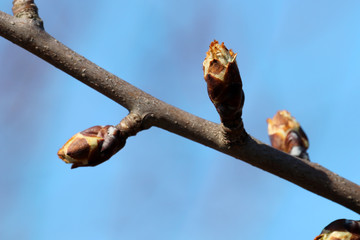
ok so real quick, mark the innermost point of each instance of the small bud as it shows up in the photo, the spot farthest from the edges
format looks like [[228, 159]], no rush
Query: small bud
[[92, 146], [27, 9], [224, 84], [341, 229], [287, 135]]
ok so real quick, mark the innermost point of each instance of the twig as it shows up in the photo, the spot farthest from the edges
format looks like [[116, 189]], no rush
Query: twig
[[154, 112]]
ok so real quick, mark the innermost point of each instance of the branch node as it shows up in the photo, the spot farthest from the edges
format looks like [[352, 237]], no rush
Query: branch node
[[130, 125], [234, 136], [27, 9]]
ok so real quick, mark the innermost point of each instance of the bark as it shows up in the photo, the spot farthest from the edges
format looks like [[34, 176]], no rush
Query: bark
[[308, 175]]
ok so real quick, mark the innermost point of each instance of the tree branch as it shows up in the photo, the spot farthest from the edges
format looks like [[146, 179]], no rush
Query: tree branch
[[310, 176]]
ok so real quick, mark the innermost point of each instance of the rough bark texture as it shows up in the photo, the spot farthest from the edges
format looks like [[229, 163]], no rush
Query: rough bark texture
[[154, 112]]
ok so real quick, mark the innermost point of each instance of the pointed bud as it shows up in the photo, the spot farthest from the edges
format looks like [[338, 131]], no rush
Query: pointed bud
[[287, 135], [92, 146], [224, 84], [341, 229]]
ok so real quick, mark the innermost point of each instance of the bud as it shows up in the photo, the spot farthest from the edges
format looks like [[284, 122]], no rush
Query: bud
[[92, 146], [224, 83], [27, 9], [287, 135], [341, 229]]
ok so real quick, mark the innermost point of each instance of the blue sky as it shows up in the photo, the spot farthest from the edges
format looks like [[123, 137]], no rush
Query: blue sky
[[302, 56]]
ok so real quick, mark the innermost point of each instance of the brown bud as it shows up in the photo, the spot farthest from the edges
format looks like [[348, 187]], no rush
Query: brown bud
[[287, 135], [224, 83], [341, 229], [27, 9], [92, 146]]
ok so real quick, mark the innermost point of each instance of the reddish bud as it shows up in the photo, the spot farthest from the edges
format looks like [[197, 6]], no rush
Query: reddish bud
[[92, 146], [287, 135], [341, 229], [224, 83]]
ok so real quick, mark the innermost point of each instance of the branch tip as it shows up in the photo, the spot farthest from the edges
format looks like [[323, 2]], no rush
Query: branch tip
[[27, 9], [224, 87]]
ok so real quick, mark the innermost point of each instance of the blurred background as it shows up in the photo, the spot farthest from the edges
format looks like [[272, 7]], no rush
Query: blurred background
[[302, 56]]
